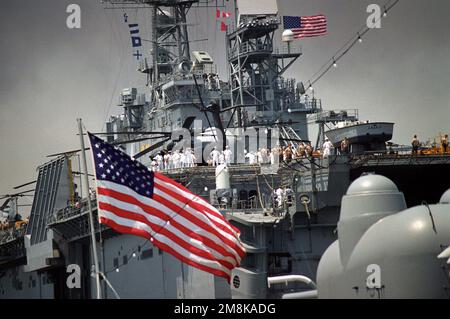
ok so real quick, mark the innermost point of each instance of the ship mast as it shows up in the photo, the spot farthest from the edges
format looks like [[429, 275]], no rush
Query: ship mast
[[169, 34]]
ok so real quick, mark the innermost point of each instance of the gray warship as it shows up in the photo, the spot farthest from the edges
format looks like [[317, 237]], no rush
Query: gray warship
[[358, 224]]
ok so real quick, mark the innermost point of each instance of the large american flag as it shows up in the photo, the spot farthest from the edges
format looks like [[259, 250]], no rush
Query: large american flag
[[134, 200], [306, 27]]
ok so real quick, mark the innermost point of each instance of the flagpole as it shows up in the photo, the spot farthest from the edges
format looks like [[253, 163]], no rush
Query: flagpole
[[91, 217]]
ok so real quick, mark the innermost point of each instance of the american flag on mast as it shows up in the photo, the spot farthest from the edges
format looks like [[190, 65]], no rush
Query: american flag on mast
[[134, 200], [306, 27]]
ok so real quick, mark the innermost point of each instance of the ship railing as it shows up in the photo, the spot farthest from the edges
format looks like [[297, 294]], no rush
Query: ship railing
[[73, 210], [336, 116], [313, 104], [250, 48], [253, 48], [12, 233], [297, 105], [288, 49], [252, 205], [248, 204], [177, 77], [242, 205], [399, 156]]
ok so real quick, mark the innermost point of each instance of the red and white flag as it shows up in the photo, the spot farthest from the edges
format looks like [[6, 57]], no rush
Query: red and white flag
[[134, 200], [223, 17]]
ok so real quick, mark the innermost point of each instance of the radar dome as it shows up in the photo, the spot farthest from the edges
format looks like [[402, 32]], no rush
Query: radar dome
[[372, 183], [287, 36], [445, 199], [383, 249], [369, 199]]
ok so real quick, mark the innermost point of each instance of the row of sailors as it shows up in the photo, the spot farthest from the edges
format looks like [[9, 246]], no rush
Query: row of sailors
[[173, 160], [279, 154], [220, 158], [183, 159], [290, 152]]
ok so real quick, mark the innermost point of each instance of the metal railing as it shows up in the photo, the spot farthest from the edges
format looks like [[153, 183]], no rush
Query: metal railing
[[12, 233], [336, 115], [248, 48], [71, 211], [288, 49]]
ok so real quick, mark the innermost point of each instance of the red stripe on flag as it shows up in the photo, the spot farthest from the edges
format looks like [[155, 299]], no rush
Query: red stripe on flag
[[174, 208], [188, 232], [164, 231], [142, 233], [200, 208], [201, 224], [207, 205], [204, 204]]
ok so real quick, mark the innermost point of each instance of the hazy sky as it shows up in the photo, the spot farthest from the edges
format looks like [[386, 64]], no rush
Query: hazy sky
[[50, 75]]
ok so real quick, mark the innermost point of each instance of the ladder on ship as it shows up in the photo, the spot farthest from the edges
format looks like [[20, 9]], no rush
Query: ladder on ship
[[289, 136]]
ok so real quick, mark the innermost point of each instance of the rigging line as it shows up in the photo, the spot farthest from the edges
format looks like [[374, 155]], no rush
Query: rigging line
[[116, 82], [110, 45], [215, 33], [204, 31], [362, 31], [347, 47], [258, 188], [129, 254], [203, 106], [356, 38], [123, 44], [267, 183]]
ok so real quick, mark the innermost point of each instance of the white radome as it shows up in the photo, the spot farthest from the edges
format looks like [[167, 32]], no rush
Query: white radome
[[287, 36]]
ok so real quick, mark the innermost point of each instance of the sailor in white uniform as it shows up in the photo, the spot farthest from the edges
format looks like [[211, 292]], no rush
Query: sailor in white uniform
[[215, 157], [177, 159], [184, 159], [251, 158], [221, 158], [227, 154], [159, 161], [279, 196], [327, 148], [190, 159], [166, 161], [154, 166]]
